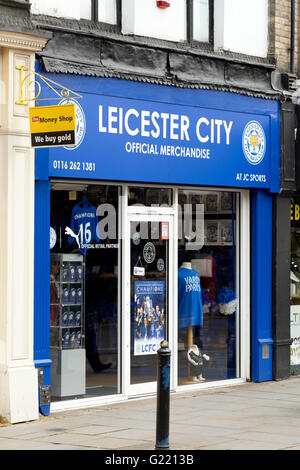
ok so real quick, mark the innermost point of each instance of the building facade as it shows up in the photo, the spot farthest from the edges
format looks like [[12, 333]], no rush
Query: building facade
[[161, 216], [19, 42], [284, 42]]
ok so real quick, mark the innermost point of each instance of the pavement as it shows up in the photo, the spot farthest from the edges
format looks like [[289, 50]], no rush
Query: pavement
[[250, 416]]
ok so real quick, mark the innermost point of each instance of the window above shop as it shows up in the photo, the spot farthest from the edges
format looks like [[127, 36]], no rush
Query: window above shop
[[200, 21], [241, 27], [183, 21], [105, 11], [224, 25], [102, 11]]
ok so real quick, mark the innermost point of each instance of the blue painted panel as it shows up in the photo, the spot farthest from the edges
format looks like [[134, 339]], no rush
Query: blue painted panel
[[261, 282], [137, 132], [42, 282]]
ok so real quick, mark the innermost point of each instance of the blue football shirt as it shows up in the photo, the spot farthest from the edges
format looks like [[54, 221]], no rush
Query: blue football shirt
[[84, 223], [190, 312]]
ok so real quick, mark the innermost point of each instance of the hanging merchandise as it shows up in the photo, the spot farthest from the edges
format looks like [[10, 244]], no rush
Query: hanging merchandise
[[83, 228], [190, 311]]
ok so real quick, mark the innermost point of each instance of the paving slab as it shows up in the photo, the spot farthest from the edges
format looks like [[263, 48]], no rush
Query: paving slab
[[96, 430], [250, 416], [241, 444], [19, 444], [144, 435], [292, 448], [265, 437]]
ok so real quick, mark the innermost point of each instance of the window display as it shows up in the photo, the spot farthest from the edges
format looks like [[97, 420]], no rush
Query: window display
[[207, 291], [84, 290], [85, 286]]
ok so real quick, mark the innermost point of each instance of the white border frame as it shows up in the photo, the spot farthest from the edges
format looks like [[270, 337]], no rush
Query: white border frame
[[244, 270], [144, 215], [242, 266]]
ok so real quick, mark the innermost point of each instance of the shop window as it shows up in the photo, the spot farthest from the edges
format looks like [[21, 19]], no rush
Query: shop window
[[84, 290], [200, 21], [208, 306]]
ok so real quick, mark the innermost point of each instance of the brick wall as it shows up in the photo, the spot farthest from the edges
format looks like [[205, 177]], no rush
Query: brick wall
[[280, 33]]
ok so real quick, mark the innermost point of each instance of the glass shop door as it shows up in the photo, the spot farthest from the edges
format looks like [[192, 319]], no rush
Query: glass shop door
[[149, 292]]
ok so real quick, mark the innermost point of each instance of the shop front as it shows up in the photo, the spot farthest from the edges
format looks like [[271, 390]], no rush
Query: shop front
[[158, 217]]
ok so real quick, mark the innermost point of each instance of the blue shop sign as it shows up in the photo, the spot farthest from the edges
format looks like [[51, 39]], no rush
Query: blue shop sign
[[146, 137]]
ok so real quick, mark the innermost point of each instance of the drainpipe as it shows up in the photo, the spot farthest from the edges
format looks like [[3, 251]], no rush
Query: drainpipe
[[292, 49]]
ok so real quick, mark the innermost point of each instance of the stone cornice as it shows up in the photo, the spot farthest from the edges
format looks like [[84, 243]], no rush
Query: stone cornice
[[102, 31], [22, 41]]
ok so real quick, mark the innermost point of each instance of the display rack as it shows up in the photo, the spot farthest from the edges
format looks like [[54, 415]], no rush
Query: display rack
[[67, 309], [67, 287]]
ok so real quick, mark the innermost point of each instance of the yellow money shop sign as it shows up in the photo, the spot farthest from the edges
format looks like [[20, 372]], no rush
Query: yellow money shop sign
[[53, 126]]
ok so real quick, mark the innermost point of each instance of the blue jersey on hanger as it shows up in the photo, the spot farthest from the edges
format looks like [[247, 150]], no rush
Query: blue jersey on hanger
[[190, 312], [84, 223]]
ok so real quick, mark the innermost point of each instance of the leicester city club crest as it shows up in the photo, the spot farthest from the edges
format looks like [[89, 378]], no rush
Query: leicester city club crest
[[80, 124], [254, 142], [149, 252]]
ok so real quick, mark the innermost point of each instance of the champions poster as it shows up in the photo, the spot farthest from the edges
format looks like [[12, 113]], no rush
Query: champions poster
[[149, 316]]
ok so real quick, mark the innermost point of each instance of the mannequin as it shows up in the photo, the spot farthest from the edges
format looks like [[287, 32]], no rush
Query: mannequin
[[186, 265], [190, 337], [190, 312]]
